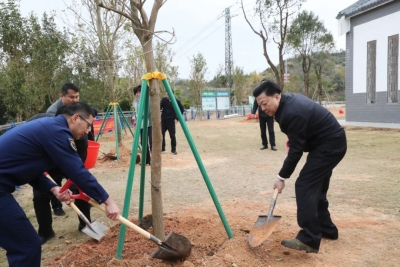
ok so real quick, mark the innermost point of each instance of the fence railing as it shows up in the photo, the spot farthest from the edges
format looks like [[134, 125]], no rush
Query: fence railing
[[191, 113]]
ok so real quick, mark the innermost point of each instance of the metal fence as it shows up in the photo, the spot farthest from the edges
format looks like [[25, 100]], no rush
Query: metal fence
[[192, 113]]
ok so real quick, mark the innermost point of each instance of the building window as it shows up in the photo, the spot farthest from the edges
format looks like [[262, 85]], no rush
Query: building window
[[371, 72], [393, 69]]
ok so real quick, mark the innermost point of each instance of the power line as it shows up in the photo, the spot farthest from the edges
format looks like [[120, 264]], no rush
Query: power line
[[200, 41], [199, 33]]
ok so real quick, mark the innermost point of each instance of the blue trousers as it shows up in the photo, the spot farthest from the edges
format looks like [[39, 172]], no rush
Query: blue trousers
[[17, 235]]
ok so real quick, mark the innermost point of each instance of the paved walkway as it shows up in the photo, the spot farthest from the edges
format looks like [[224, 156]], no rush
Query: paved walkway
[[369, 124]]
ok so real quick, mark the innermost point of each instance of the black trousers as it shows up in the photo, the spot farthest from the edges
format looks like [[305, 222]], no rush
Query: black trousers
[[169, 125], [41, 204], [264, 122], [311, 191], [149, 142]]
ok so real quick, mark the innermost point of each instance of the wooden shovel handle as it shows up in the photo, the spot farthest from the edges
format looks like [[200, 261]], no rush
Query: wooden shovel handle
[[275, 196], [128, 223]]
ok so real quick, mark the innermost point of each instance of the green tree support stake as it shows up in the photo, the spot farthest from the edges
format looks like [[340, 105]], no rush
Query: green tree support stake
[[128, 191], [116, 123], [145, 106], [103, 122], [197, 157]]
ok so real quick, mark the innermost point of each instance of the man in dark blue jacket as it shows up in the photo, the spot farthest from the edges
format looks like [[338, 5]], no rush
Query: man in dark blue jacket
[[41, 201], [310, 128], [168, 121], [27, 152]]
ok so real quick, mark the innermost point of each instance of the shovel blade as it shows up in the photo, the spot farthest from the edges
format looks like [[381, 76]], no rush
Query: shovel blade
[[262, 229], [95, 230], [174, 247]]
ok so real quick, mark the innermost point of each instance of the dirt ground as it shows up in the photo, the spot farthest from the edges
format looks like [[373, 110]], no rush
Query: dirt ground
[[364, 196]]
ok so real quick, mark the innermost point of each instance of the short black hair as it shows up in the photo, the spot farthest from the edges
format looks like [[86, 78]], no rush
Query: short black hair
[[137, 89], [69, 86], [268, 87], [95, 111], [80, 108]]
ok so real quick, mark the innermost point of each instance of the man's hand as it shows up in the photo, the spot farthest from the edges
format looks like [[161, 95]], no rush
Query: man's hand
[[112, 210], [64, 196], [280, 184]]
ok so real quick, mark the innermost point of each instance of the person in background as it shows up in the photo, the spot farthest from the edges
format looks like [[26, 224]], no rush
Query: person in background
[[69, 95], [28, 151], [265, 121], [313, 129], [136, 91], [168, 121]]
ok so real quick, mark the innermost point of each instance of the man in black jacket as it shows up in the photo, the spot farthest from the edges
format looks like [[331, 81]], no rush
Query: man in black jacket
[[168, 121], [265, 121], [310, 128]]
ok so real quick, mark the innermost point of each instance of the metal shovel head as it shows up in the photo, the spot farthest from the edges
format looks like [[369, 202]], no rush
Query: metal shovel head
[[262, 229], [174, 247], [96, 230]]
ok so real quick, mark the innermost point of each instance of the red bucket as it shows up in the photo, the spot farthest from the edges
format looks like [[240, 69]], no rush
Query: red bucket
[[92, 152]]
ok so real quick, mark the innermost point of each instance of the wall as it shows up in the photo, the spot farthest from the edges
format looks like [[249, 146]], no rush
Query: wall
[[370, 25]]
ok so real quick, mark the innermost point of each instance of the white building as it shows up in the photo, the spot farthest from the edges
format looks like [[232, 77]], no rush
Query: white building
[[372, 29]]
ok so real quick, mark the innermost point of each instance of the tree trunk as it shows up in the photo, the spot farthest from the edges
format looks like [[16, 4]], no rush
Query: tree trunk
[[156, 193], [306, 66]]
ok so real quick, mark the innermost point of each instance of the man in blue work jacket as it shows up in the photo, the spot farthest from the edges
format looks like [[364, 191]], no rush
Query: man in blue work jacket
[[27, 152]]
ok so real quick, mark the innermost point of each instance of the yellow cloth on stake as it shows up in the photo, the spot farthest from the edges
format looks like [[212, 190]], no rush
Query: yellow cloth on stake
[[154, 75]]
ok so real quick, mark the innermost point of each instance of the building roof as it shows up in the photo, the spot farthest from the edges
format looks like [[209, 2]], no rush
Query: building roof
[[361, 6]]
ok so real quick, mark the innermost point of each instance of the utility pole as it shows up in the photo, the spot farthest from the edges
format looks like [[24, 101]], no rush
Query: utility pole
[[228, 54]]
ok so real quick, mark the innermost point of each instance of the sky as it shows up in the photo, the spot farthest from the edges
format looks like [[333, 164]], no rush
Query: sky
[[200, 28]]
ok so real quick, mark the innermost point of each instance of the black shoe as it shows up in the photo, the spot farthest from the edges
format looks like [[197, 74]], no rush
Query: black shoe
[[163, 151], [59, 212], [297, 244], [263, 147], [44, 239], [81, 226], [330, 236], [174, 152], [274, 148]]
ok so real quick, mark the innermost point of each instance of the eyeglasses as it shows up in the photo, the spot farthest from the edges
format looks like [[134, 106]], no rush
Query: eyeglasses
[[89, 125]]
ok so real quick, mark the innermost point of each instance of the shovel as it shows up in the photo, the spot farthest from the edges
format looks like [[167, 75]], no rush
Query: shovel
[[95, 229], [108, 156], [265, 225], [174, 247]]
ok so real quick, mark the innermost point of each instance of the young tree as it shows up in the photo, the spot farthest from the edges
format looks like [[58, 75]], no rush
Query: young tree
[[308, 35], [144, 28], [241, 90], [320, 59], [104, 33], [197, 77], [273, 16]]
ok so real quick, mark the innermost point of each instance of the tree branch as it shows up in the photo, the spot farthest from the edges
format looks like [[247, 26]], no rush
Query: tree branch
[[248, 22]]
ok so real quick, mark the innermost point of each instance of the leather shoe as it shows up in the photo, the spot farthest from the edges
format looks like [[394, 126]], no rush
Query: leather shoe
[[274, 148], [174, 152], [59, 212], [263, 147], [43, 239], [297, 244], [330, 236], [81, 226]]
